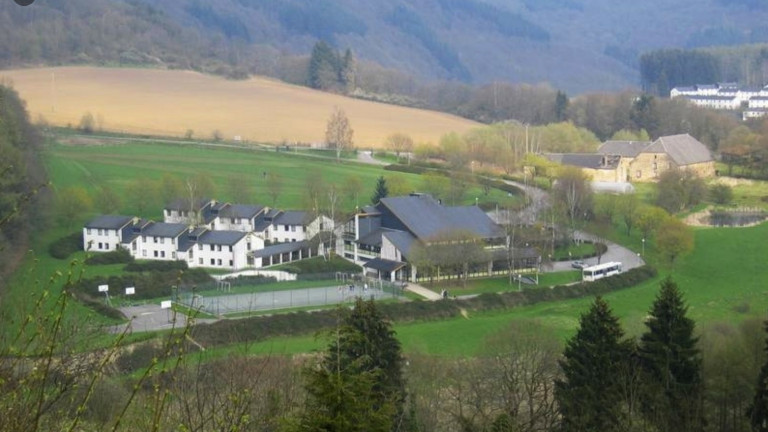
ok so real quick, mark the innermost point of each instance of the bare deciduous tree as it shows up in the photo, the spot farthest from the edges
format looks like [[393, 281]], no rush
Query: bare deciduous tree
[[338, 132]]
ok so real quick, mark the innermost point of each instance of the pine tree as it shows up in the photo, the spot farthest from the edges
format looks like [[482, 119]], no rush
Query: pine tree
[[324, 67], [589, 393], [672, 364], [758, 411], [381, 190], [359, 384]]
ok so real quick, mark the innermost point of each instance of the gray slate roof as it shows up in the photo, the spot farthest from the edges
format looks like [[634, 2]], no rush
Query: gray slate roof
[[382, 264], [226, 238], [403, 241], [241, 211], [183, 204], [623, 148], [162, 229], [683, 149], [425, 218], [109, 222], [134, 229], [280, 249], [291, 218]]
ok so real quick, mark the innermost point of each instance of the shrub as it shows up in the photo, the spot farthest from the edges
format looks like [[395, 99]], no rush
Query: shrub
[[145, 266], [115, 257], [66, 246], [721, 194], [148, 285]]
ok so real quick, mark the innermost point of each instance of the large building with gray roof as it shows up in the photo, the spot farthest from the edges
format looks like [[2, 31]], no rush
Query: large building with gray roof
[[384, 238]]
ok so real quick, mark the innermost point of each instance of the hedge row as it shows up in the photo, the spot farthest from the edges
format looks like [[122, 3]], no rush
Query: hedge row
[[155, 266], [118, 256], [410, 169], [148, 285], [263, 327]]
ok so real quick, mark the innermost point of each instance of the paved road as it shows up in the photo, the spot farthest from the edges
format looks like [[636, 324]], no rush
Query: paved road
[[538, 202]]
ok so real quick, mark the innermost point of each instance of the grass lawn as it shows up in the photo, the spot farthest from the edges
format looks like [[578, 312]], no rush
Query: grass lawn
[[723, 280], [501, 284]]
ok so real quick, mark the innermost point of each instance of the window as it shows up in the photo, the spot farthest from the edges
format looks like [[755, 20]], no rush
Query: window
[[218, 248], [155, 254], [231, 264], [211, 248], [162, 254], [219, 261], [200, 260], [101, 231], [248, 245], [304, 229], [199, 246], [89, 231], [232, 220], [143, 252], [285, 227], [173, 255], [293, 228], [230, 248], [154, 239], [191, 253], [274, 240], [213, 261], [144, 238], [293, 240], [162, 240], [133, 246], [100, 245], [106, 246]]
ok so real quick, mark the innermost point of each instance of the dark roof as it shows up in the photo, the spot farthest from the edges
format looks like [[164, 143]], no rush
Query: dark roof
[[384, 264], [711, 97], [291, 218], [109, 222], [426, 218], [162, 229], [372, 238], [585, 160], [242, 211], [623, 148], [134, 229], [280, 249], [226, 238], [683, 149], [188, 240], [402, 241]]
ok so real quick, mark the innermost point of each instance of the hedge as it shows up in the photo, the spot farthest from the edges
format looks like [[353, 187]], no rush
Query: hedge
[[148, 266], [263, 327], [118, 256], [148, 285], [66, 246]]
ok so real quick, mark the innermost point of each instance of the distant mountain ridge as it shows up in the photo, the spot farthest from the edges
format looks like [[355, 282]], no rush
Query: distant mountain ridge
[[575, 45]]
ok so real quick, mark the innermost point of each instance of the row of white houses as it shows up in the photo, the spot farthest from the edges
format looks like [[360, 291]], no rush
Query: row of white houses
[[726, 96], [211, 234]]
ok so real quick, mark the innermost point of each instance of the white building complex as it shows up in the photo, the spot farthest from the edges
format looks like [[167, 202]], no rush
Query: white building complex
[[212, 234], [726, 96]]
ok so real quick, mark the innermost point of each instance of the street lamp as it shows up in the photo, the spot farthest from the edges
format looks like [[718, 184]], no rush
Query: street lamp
[[643, 247]]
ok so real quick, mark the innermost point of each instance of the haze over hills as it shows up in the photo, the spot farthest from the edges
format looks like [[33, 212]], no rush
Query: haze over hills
[[575, 45]]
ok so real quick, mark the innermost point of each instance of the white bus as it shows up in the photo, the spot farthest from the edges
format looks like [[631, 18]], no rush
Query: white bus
[[600, 271]]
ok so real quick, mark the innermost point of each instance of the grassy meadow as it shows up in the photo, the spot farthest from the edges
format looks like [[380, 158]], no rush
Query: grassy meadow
[[724, 280], [170, 102]]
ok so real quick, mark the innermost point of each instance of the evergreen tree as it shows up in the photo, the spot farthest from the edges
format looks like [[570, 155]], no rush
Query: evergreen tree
[[348, 72], [758, 411], [589, 392], [561, 106], [359, 384], [381, 190], [672, 364], [324, 66]]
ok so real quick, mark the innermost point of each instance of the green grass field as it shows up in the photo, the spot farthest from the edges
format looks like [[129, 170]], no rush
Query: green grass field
[[724, 280]]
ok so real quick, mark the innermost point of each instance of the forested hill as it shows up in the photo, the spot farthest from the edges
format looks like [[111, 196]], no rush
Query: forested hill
[[575, 45]]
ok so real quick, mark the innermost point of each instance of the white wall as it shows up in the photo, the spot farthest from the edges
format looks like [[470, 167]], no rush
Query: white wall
[[101, 240]]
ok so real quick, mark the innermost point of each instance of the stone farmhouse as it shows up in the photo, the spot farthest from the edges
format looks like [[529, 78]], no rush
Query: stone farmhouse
[[642, 161], [212, 234], [383, 238], [726, 96]]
